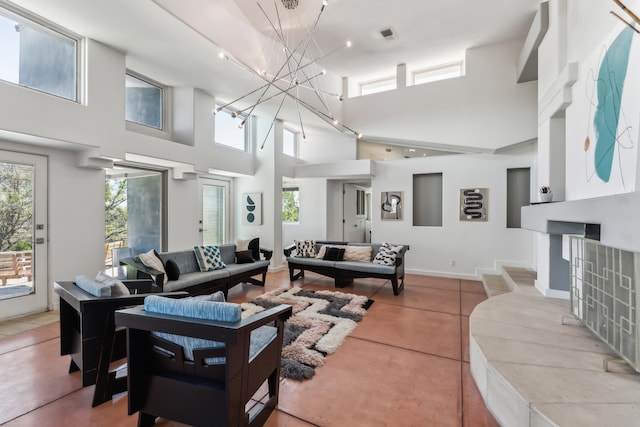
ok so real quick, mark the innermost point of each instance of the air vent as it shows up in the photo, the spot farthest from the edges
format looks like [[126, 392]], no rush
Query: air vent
[[388, 34]]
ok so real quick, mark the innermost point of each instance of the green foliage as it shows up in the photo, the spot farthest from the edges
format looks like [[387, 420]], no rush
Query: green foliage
[[16, 206], [290, 208], [115, 210]]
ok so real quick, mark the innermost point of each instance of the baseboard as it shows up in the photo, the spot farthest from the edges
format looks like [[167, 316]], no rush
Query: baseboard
[[272, 269], [553, 293], [441, 274]]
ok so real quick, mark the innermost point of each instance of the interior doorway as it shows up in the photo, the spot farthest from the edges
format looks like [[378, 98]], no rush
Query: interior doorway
[[356, 219], [23, 234]]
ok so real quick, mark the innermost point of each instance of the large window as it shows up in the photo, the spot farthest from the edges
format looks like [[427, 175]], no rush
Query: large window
[[290, 204], [289, 142], [37, 57], [230, 131], [144, 102], [134, 210]]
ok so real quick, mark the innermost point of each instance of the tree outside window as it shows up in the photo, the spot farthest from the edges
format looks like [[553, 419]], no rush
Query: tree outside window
[[16, 207], [290, 204]]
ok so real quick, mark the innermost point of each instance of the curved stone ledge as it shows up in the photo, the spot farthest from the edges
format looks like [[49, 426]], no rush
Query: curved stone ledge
[[535, 365]]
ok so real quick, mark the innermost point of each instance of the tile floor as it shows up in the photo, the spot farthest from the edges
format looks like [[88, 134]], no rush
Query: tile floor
[[406, 364]]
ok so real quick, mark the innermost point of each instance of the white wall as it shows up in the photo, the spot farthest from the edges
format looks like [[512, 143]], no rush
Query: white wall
[[313, 212], [486, 108], [475, 246]]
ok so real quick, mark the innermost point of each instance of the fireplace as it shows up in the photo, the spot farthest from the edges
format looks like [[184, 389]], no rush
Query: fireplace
[[603, 295]]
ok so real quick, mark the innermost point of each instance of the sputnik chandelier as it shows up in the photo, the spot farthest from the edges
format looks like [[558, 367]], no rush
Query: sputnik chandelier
[[296, 72]]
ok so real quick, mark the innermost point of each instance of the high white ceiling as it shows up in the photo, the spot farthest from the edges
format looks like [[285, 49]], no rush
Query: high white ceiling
[[177, 42]]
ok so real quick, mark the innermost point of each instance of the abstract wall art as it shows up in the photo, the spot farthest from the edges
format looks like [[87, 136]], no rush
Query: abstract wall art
[[608, 105], [473, 204], [252, 209], [391, 205]]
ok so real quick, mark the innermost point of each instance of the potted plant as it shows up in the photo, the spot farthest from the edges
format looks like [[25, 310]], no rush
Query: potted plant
[[545, 194]]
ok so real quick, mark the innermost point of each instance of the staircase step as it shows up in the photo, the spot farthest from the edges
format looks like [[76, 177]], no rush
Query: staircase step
[[518, 276], [495, 284]]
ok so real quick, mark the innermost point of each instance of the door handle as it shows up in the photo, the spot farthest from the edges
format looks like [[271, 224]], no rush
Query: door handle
[[39, 240]]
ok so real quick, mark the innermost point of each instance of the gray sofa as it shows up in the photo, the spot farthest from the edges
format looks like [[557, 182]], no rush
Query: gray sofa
[[197, 282], [343, 272]]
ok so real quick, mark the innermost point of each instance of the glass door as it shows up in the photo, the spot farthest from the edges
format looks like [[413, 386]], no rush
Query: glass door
[[215, 211], [23, 234]]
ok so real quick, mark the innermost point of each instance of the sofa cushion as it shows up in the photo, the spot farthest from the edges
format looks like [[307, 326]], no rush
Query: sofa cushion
[[242, 268], [216, 296], [152, 259], [209, 258], [244, 257], [305, 248], [323, 250], [186, 260], [357, 253], [387, 254], [117, 287], [195, 278], [172, 269], [228, 253], [89, 285], [311, 261], [334, 254], [365, 267], [242, 245]]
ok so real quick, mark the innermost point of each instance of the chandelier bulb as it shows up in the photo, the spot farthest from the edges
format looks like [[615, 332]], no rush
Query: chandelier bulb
[[261, 149], [325, 2], [241, 124], [215, 111], [323, 72], [359, 135], [304, 138], [234, 114], [222, 55], [348, 43]]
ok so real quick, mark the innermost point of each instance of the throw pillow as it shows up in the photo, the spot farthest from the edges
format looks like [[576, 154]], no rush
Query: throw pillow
[[216, 297], [387, 254], [323, 250], [254, 247], [152, 260], [173, 270], [334, 254], [117, 287], [305, 248], [242, 245], [357, 253], [244, 257], [209, 258]]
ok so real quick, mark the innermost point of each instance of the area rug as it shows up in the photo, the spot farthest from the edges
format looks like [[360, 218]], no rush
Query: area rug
[[320, 323]]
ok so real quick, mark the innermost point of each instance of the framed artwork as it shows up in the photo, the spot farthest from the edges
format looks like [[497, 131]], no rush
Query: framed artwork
[[391, 205], [474, 204], [252, 208]]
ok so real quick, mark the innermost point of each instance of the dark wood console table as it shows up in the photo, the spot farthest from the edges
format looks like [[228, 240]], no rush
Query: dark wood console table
[[88, 333]]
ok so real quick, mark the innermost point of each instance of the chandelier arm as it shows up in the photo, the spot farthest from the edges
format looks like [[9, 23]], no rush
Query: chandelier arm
[[280, 91], [304, 134], [275, 117]]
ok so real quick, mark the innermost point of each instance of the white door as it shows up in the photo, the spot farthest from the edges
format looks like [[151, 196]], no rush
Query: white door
[[23, 234], [214, 208], [353, 213]]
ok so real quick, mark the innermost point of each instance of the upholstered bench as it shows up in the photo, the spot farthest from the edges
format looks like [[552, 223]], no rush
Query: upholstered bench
[[358, 260]]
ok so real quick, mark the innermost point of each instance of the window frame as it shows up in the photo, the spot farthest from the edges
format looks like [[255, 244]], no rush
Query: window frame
[[25, 17], [431, 73], [164, 105], [291, 188], [378, 85], [246, 128], [296, 140]]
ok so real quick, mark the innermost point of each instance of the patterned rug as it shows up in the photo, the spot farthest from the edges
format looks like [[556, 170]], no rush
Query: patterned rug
[[320, 323]]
